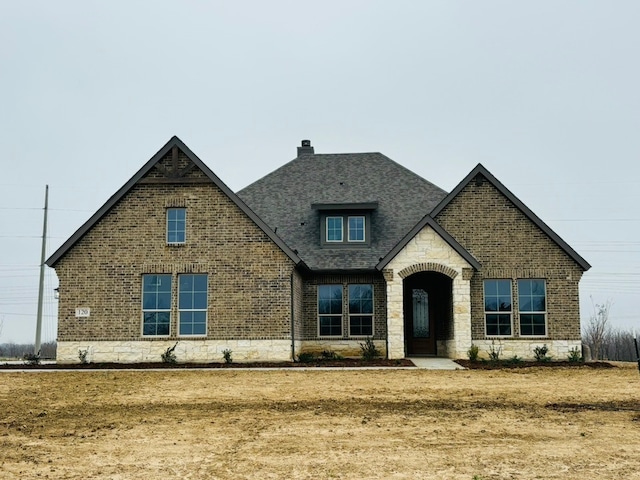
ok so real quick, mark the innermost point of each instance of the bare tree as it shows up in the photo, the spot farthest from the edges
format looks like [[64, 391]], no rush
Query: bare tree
[[597, 332]]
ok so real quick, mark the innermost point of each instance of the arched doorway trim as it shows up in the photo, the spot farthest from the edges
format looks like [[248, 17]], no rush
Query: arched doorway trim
[[428, 267]]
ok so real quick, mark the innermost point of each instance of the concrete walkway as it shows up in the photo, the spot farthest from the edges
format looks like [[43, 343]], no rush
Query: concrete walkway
[[435, 363]]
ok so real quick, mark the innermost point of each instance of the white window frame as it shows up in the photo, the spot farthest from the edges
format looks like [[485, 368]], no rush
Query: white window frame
[[167, 226], [364, 229], [188, 310], [155, 310], [341, 229]]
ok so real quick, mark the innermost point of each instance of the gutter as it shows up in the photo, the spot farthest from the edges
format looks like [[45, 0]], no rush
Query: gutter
[[293, 326]]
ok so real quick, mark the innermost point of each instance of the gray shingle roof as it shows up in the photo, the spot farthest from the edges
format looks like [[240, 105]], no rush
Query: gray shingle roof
[[284, 198]]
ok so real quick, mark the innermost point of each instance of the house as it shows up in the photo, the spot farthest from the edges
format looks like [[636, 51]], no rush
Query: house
[[321, 254]]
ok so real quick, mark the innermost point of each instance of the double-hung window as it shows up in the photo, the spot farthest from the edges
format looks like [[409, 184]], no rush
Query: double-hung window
[[330, 310], [356, 229], [334, 229], [156, 305], [497, 307], [192, 304], [532, 307], [360, 310], [176, 226]]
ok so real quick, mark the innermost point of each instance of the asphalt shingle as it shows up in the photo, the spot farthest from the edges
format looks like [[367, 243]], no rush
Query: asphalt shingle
[[284, 198]]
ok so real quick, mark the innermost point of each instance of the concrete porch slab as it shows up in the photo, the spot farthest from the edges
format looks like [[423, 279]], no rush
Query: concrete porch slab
[[435, 363]]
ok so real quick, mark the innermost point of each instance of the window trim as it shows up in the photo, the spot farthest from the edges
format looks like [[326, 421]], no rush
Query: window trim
[[336, 315], [544, 312], [372, 314], [156, 310], [497, 312], [345, 215], [176, 231], [326, 228], [364, 229], [205, 310]]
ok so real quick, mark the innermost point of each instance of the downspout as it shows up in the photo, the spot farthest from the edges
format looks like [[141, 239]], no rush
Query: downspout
[[293, 326]]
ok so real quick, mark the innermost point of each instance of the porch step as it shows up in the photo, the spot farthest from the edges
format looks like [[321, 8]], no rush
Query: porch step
[[435, 363]]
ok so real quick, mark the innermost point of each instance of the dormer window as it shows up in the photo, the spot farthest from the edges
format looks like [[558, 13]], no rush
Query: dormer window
[[345, 224], [356, 228], [334, 229]]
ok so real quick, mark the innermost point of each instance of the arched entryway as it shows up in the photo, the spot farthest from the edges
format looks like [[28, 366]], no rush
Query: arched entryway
[[428, 312]]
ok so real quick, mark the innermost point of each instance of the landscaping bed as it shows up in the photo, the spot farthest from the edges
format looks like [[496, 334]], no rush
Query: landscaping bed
[[501, 364], [337, 363]]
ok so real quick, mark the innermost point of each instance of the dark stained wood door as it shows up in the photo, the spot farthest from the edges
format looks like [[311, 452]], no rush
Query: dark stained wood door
[[419, 321]]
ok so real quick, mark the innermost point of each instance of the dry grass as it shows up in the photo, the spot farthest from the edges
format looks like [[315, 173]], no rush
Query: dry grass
[[383, 424]]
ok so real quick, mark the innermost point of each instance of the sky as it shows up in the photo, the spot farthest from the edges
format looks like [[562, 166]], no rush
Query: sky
[[545, 94]]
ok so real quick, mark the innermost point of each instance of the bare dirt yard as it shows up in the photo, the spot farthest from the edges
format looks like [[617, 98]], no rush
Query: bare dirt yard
[[532, 423]]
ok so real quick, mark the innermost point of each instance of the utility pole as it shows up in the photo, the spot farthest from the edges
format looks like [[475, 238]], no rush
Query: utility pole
[[36, 350]]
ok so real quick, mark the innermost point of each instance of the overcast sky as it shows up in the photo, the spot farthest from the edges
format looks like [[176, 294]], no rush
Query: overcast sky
[[545, 94]]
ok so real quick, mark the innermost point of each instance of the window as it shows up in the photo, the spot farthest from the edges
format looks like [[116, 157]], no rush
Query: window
[[330, 310], [156, 304], [176, 225], [532, 306], [192, 304], [334, 229], [356, 229], [360, 310], [497, 307]]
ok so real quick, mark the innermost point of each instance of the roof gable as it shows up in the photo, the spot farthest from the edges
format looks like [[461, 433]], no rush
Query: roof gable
[[480, 170], [428, 220], [168, 173]]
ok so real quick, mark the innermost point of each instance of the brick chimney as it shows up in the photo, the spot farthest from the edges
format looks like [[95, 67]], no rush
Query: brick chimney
[[305, 148]]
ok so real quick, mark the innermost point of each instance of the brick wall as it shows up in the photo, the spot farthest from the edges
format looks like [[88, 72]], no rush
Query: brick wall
[[249, 276], [508, 245], [310, 303]]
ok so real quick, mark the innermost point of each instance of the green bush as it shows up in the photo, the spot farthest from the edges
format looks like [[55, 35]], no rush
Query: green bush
[[330, 355], [540, 353], [169, 356], [575, 355], [368, 350], [472, 353], [226, 354], [306, 357], [495, 352], [82, 355]]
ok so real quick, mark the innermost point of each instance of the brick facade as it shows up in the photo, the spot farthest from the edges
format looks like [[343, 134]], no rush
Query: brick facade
[[509, 245], [249, 277]]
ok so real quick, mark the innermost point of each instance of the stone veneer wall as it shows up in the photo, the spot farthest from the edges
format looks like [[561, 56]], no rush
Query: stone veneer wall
[[249, 276], [427, 251], [509, 246], [187, 351]]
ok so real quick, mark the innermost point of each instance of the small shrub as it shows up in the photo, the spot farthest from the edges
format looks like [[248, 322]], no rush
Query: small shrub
[[514, 359], [226, 354], [31, 358], [495, 352], [82, 355], [540, 353], [575, 355], [306, 357], [330, 355], [169, 356], [472, 353], [369, 351]]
